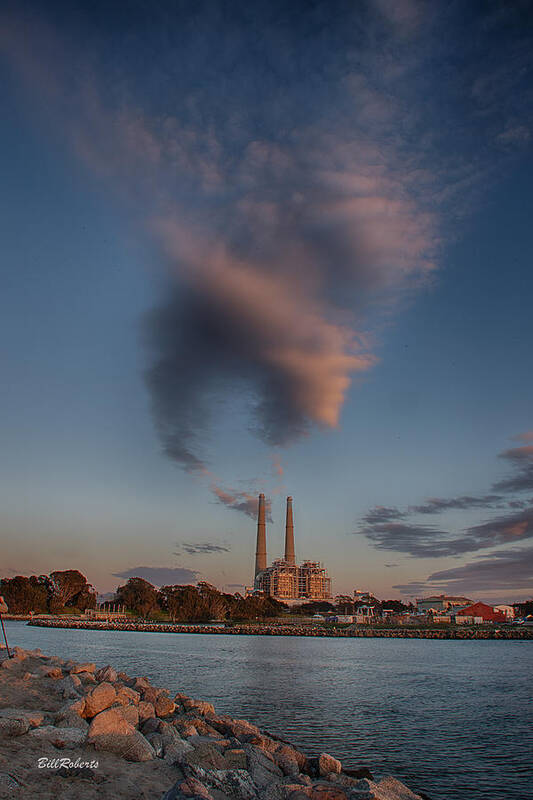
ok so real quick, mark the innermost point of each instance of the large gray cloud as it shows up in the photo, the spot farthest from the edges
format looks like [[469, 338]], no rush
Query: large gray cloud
[[422, 541], [508, 571], [161, 576]]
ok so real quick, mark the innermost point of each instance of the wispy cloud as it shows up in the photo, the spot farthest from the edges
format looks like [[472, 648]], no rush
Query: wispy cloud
[[240, 501], [201, 548], [521, 461]]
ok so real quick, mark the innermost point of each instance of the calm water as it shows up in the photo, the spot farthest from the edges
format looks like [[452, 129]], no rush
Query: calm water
[[452, 719]]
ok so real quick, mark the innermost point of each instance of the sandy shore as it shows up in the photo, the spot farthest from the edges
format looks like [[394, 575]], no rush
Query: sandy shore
[[70, 731]]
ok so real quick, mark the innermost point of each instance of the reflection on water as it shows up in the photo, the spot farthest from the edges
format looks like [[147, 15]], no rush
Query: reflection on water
[[450, 718]]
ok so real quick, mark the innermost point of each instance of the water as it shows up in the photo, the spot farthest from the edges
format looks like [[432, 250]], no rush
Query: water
[[450, 718]]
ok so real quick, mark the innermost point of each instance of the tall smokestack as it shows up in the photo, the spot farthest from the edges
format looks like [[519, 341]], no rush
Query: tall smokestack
[[261, 549], [289, 534]]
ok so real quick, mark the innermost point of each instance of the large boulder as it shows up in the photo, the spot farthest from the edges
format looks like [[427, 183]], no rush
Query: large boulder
[[110, 731], [206, 756], [146, 710], [200, 706], [58, 737], [261, 766], [164, 706], [98, 699], [125, 695]]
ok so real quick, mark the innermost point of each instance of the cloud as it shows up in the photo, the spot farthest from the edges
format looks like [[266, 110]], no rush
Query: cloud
[[435, 505], [235, 585], [161, 576], [241, 501], [506, 570], [428, 542], [202, 548], [521, 460], [295, 193], [381, 514]]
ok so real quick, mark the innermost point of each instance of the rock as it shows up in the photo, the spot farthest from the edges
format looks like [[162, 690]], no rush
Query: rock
[[72, 720], [13, 727], [130, 714], [164, 706], [50, 672], [151, 693], [235, 758], [86, 677], [146, 710], [327, 792], [175, 752], [156, 740], [67, 688], [327, 764], [361, 772], [107, 674], [33, 718], [74, 707], [261, 766], [125, 695], [185, 727], [150, 725], [189, 788], [110, 731], [289, 760], [77, 668], [101, 697], [201, 706], [391, 789], [59, 737], [206, 756], [236, 783], [141, 683]]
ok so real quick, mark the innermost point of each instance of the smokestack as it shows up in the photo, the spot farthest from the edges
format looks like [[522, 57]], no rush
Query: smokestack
[[261, 549], [289, 534]]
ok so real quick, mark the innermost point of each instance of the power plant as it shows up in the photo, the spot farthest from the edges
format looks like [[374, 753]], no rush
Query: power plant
[[285, 579]]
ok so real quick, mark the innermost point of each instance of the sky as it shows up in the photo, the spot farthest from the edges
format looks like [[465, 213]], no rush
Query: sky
[[268, 247]]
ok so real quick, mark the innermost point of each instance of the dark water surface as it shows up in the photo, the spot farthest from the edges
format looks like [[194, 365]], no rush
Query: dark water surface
[[450, 718]]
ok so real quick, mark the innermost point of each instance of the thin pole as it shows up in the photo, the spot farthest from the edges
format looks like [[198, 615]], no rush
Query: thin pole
[[5, 637]]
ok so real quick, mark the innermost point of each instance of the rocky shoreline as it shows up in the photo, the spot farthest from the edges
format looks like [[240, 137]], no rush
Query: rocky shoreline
[[70, 731], [462, 632]]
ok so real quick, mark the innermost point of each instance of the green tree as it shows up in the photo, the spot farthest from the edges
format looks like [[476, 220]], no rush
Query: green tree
[[139, 596]]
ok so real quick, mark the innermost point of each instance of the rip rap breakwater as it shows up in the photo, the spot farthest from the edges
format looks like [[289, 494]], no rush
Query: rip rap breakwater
[[144, 736], [292, 630]]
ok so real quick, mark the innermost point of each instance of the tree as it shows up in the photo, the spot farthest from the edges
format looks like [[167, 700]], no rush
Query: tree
[[138, 595], [66, 585], [23, 594]]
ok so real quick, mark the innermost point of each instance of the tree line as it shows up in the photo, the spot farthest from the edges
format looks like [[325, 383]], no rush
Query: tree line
[[187, 603], [48, 593]]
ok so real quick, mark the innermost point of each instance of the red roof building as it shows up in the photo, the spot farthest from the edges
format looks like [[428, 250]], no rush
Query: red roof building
[[479, 611]]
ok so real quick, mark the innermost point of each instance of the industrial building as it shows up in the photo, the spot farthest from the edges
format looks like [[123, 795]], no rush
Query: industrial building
[[285, 579]]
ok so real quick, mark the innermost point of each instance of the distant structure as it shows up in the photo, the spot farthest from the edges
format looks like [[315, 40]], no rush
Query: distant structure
[[441, 602], [285, 579]]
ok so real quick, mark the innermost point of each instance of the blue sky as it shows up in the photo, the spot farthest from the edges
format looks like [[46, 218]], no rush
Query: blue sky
[[273, 249]]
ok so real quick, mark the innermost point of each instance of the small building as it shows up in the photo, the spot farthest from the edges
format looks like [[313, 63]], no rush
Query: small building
[[365, 614], [345, 619], [107, 613], [440, 602], [507, 610], [478, 614]]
